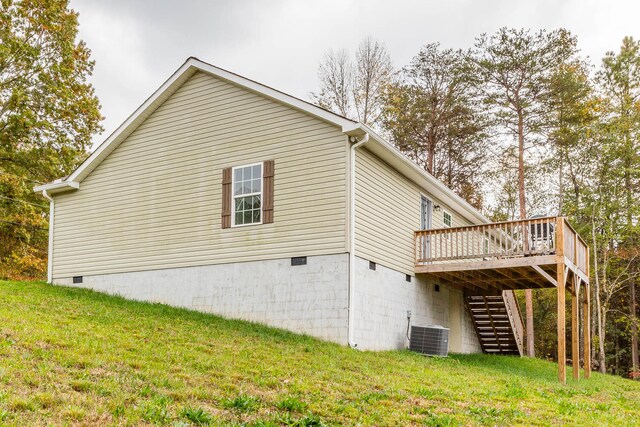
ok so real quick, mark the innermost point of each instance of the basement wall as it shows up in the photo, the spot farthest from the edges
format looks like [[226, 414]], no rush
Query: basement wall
[[310, 299], [383, 297]]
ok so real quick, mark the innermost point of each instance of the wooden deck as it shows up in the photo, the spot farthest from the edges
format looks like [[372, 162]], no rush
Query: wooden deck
[[502, 256], [490, 259]]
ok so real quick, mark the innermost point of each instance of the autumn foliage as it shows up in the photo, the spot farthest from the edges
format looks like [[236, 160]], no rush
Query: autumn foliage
[[48, 113]]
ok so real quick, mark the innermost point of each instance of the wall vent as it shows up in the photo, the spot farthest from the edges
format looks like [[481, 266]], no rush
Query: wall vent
[[408, 278], [77, 279], [437, 288], [430, 340], [372, 265], [299, 260]]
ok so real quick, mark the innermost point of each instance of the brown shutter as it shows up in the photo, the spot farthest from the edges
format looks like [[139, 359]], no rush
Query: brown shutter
[[267, 185], [226, 198]]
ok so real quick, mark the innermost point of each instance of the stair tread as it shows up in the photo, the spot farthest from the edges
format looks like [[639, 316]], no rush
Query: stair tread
[[493, 322]]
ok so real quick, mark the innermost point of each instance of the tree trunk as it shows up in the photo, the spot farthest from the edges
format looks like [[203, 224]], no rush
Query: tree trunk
[[617, 358], [521, 188], [431, 151], [528, 293], [594, 324], [600, 316], [632, 285], [629, 192], [560, 182], [635, 363]]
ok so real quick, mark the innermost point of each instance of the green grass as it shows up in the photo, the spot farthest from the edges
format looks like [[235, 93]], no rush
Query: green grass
[[75, 357]]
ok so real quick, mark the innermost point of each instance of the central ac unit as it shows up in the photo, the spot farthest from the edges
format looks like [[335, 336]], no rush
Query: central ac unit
[[432, 340]]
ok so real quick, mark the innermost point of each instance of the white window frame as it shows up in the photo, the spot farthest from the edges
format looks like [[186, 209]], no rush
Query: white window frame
[[445, 212], [234, 197], [444, 224], [486, 245]]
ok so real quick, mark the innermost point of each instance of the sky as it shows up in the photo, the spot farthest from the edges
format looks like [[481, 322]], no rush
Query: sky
[[138, 44]]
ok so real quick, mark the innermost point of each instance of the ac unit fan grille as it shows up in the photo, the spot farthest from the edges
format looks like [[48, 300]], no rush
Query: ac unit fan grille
[[429, 340]]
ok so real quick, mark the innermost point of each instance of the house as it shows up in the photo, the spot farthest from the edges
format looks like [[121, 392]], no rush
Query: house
[[224, 195]]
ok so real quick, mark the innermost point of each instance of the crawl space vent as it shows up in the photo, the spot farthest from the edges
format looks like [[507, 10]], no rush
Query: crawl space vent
[[430, 340]]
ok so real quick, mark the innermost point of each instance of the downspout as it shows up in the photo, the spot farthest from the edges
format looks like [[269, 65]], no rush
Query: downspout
[[50, 251], [352, 235]]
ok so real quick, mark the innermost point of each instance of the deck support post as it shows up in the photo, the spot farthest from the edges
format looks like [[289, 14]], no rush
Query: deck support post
[[562, 281], [575, 329], [522, 254], [586, 329], [562, 344]]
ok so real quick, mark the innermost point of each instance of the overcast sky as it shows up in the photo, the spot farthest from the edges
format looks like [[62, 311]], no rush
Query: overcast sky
[[137, 44]]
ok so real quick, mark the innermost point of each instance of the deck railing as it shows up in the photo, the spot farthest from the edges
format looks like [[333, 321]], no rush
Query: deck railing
[[529, 237]]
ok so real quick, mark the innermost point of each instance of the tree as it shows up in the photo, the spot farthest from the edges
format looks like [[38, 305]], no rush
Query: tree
[[431, 115], [604, 168], [514, 67], [373, 72], [620, 80], [572, 112], [603, 199], [48, 113], [355, 90], [575, 147], [336, 79]]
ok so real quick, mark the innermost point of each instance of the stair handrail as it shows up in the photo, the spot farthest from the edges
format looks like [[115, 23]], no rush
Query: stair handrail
[[515, 318]]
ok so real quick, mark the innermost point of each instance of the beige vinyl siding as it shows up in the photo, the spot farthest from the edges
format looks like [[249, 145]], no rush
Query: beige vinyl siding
[[155, 202], [388, 212]]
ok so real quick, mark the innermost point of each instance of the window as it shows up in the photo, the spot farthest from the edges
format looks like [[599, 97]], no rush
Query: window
[[447, 219], [247, 195]]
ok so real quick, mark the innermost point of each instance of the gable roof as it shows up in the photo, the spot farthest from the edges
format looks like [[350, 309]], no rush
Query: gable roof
[[376, 144]]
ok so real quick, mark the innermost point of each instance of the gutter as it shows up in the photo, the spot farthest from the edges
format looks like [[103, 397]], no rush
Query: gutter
[[352, 235], [57, 186], [50, 250]]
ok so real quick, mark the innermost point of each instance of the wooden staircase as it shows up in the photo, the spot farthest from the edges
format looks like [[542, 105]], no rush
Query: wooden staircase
[[498, 322]]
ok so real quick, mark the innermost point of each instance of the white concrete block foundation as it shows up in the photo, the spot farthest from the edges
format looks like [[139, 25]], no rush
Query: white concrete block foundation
[[383, 297], [311, 299]]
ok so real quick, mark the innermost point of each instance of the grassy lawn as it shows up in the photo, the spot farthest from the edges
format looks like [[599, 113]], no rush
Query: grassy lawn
[[74, 357]]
